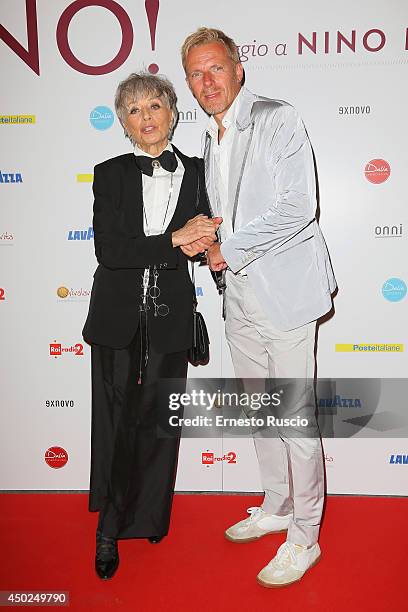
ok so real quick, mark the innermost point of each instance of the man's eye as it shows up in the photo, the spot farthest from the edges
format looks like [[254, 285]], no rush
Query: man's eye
[[218, 68], [195, 75]]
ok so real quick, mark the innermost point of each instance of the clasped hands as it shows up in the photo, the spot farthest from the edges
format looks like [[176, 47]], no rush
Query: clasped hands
[[199, 235]]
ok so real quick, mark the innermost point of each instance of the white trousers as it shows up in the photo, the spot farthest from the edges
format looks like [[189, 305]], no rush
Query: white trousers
[[291, 468]]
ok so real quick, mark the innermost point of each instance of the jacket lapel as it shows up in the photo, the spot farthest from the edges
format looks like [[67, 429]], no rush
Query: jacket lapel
[[134, 195], [209, 175], [188, 191], [240, 146]]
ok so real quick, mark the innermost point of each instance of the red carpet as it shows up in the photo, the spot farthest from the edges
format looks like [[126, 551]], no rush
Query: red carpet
[[47, 543]]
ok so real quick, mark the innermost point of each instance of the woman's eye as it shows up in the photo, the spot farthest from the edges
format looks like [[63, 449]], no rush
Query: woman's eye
[[155, 106], [133, 111]]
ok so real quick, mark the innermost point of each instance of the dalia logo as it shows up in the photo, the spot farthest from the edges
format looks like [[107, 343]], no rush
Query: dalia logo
[[101, 118], [394, 289], [56, 457], [377, 171]]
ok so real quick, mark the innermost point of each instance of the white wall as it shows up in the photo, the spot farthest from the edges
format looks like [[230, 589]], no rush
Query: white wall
[[38, 213]]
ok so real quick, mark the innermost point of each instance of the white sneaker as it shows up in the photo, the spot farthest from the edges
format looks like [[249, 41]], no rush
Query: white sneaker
[[258, 524], [289, 565]]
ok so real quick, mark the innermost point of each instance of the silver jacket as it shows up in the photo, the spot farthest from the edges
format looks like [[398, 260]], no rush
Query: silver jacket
[[276, 238]]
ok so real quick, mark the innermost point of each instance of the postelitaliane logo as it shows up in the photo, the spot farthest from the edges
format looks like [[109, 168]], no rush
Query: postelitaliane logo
[[369, 348]]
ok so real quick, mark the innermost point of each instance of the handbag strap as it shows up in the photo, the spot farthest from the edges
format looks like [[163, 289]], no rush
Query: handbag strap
[[195, 301], [197, 204]]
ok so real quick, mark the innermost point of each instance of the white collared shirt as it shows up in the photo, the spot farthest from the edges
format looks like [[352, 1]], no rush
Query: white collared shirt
[[156, 194], [221, 158]]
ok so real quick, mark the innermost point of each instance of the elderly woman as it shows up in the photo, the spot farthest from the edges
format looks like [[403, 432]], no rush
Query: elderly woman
[[148, 204]]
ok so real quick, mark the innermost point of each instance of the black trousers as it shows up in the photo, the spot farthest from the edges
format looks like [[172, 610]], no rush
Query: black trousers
[[132, 468]]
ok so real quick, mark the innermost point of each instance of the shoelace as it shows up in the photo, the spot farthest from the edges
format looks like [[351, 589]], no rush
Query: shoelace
[[254, 511], [286, 555]]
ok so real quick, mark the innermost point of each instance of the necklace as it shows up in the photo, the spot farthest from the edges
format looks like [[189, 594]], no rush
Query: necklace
[[153, 291], [166, 211]]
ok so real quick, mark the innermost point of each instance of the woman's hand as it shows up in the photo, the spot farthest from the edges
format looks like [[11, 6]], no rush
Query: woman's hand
[[196, 229], [198, 246]]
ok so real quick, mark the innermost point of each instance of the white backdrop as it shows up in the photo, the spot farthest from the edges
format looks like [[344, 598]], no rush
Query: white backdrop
[[353, 98]]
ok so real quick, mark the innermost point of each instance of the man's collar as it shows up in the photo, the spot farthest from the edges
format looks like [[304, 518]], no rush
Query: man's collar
[[229, 117], [241, 108], [243, 118]]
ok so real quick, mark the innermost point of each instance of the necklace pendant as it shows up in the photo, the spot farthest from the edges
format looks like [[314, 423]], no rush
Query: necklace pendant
[[156, 164]]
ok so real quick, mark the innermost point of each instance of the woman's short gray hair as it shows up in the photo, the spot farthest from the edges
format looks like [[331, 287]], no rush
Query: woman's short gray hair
[[142, 84]]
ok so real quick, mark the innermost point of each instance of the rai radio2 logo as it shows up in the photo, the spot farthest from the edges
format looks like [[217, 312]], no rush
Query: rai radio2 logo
[[209, 458], [58, 350]]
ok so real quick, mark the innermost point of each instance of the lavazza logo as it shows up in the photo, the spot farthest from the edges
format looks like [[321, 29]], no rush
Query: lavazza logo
[[339, 402], [57, 350], [86, 234], [209, 458], [11, 177], [398, 459]]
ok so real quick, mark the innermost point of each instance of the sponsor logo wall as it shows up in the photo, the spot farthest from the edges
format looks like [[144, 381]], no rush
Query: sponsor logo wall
[[339, 69]]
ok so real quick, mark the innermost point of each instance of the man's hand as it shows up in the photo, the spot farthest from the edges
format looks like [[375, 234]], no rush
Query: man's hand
[[201, 244], [195, 229], [215, 259], [198, 246]]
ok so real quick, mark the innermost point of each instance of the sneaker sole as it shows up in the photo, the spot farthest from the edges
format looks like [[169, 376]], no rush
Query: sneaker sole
[[245, 540], [268, 585]]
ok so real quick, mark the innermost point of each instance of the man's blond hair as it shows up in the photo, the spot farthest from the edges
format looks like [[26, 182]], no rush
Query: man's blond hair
[[203, 36]]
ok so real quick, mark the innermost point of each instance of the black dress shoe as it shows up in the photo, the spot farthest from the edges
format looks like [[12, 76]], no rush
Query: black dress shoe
[[107, 556], [155, 539]]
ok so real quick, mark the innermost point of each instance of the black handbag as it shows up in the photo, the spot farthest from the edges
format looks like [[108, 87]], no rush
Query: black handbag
[[199, 353]]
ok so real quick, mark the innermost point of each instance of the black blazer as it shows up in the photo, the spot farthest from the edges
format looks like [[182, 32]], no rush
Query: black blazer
[[123, 251]]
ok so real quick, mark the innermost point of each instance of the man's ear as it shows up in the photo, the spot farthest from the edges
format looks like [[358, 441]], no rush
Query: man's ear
[[239, 71]]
